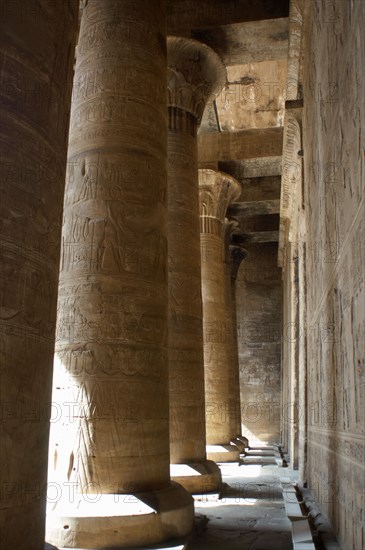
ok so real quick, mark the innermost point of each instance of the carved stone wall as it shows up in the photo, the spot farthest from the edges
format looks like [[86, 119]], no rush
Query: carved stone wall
[[291, 255], [258, 295], [36, 54], [334, 112]]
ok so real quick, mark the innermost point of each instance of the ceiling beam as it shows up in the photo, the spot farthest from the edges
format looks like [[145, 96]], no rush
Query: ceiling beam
[[253, 208], [245, 144], [233, 43], [252, 168], [261, 237]]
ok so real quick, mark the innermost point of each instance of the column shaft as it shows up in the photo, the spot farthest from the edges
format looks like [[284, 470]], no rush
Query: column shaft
[[187, 421], [194, 72], [217, 190], [229, 227], [236, 254], [111, 339], [111, 352], [215, 349], [36, 54]]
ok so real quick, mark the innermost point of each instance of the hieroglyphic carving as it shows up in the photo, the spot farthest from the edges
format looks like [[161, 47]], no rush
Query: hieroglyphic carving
[[334, 212], [295, 50], [233, 258], [112, 326], [194, 74], [37, 53], [216, 191], [291, 181]]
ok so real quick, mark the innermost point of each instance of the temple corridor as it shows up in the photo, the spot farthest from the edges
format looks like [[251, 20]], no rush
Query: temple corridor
[[182, 274], [256, 509], [251, 513]]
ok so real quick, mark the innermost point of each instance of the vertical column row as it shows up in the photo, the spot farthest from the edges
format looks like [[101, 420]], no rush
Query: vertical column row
[[111, 353]]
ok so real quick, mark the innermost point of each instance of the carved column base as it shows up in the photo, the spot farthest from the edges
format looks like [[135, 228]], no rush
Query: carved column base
[[198, 478], [244, 441], [223, 453], [239, 444], [123, 521]]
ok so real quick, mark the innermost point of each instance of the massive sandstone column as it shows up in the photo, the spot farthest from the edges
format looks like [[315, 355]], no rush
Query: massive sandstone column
[[230, 228], [36, 55], [236, 253], [216, 191], [111, 447], [195, 72]]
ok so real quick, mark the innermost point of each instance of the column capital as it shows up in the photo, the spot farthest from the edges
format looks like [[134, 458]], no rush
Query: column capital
[[195, 74], [217, 191]]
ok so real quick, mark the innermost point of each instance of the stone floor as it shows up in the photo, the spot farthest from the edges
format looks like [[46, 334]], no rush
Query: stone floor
[[251, 513]]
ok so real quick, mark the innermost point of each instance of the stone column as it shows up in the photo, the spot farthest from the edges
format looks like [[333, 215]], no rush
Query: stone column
[[36, 55], [216, 191], [195, 72], [233, 256], [229, 227], [236, 255], [290, 352], [292, 332], [111, 447]]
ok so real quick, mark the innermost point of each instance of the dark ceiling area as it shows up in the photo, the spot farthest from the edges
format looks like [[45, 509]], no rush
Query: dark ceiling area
[[184, 17]]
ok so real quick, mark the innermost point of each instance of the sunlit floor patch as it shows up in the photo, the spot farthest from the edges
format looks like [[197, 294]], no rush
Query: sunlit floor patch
[[251, 512]]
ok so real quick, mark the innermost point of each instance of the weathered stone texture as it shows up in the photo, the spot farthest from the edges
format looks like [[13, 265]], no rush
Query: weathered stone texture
[[231, 334], [111, 336], [195, 72], [111, 351], [236, 254], [184, 16], [334, 113], [186, 371], [240, 145], [292, 259], [256, 100], [258, 296], [36, 54], [294, 342], [216, 191], [233, 43]]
